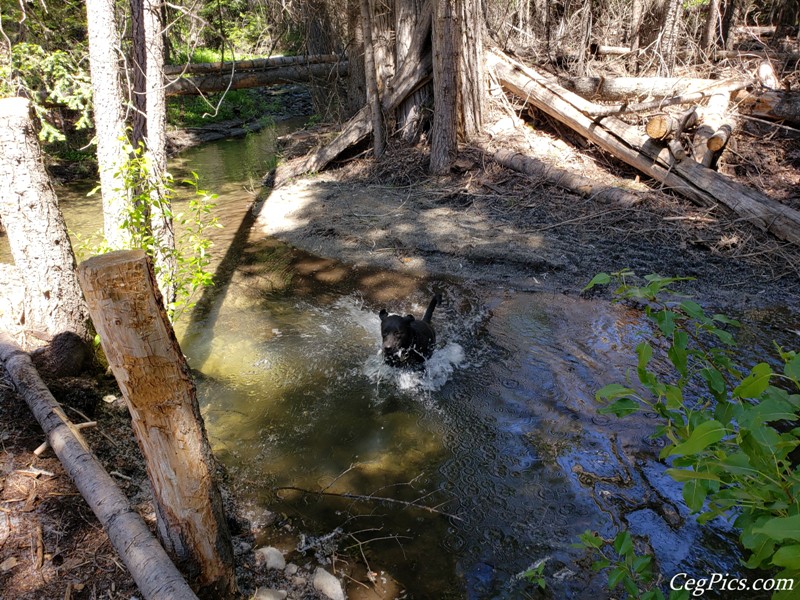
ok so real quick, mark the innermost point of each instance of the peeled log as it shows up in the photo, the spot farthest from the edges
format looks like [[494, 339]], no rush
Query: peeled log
[[563, 178], [219, 82], [146, 561], [713, 114]]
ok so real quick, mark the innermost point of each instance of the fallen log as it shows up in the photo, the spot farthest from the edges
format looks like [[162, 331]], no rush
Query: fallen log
[[219, 82], [563, 178], [769, 104], [698, 183], [255, 64], [147, 562]]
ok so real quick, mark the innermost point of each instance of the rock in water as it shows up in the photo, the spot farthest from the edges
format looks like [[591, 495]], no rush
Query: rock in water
[[328, 585], [273, 558]]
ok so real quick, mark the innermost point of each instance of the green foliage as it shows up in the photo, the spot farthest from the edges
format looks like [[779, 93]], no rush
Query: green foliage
[[626, 569], [535, 574], [154, 195], [731, 446], [47, 78], [195, 111]]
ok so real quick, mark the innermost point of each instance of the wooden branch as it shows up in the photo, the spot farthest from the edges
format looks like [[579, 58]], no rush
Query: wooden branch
[[255, 64], [625, 88], [699, 184], [563, 178], [219, 82], [148, 563]]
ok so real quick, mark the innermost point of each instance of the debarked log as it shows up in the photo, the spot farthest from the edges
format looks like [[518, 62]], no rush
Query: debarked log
[[219, 82], [698, 183], [255, 64], [563, 178], [155, 575]]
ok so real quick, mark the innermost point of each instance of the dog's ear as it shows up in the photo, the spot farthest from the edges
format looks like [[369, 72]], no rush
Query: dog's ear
[[383, 314]]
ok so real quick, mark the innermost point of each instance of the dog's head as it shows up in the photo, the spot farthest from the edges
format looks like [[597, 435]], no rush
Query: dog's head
[[398, 337]]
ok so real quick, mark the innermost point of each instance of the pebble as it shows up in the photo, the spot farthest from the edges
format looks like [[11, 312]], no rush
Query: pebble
[[328, 585], [272, 557], [263, 593]]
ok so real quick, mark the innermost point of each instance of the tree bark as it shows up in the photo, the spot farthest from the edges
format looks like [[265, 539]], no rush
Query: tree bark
[[668, 40], [356, 81], [154, 379], [713, 117], [713, 20], [471, 76], [444, 141], [151, 569], [373, 99], [408, 16], [109, 120], [36, 231]]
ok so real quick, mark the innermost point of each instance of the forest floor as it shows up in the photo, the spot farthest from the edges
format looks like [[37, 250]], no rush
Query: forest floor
[[481, 223]]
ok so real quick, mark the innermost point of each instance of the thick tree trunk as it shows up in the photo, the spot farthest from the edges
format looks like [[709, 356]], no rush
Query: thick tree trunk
[[409, 114], [713, 20], [670, 34], [471, 76], [356, 81], [373, 99], [36, 231], [154, 379], [444, 141], [108, 117], [151, 569]]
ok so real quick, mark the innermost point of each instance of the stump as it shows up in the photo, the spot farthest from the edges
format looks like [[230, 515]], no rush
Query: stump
[[154, 378]]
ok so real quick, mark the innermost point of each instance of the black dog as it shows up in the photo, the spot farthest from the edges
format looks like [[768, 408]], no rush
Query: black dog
[[406, 341]]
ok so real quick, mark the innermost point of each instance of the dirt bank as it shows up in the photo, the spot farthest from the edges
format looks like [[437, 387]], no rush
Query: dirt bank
[[487, 224]]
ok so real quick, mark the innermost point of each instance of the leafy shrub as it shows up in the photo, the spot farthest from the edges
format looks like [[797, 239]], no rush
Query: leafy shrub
[[733, 447]]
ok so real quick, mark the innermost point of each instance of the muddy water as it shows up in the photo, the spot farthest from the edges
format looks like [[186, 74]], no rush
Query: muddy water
[[451, 480]]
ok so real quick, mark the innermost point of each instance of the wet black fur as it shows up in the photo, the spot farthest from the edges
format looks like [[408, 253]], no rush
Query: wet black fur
[[408, 342]]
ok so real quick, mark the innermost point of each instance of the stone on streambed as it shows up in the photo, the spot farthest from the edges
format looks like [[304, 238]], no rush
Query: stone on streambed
[[272, 558], [328, 585], [263, 593]]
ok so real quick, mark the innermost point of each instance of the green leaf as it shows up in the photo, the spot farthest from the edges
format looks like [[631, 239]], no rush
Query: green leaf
[[623, 544], [693, 309], [694, 494], [621, 408], [754, 384], [590, 539], [703, 436], [615, 576], [665, 319], [781, 528], [601, 564], [642, 563], [715, 382], [792, 368], [687, 475], [788, 557], [612, 391], [599, 279]]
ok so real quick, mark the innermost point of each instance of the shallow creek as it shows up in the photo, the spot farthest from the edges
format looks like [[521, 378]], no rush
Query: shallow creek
[[497, 442]]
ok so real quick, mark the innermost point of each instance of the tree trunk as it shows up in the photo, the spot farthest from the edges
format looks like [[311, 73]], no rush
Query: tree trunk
[[373, 99], [668, 40], [36, 231], [156, 107], [471, 77], [409, 114], [151, 569], [155, 381], [444, 142], [108, 117], [710, 37], [356, 81], [634, 35]]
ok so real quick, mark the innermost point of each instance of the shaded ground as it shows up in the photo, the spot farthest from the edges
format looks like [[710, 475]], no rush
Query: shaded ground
[[482, 223]]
